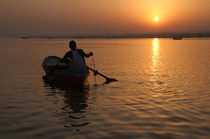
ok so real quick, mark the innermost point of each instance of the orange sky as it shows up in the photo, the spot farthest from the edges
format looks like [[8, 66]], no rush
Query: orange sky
[[88, 17]]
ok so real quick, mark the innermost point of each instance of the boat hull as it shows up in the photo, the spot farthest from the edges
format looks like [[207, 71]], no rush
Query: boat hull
[[72, 80], [57, 72]]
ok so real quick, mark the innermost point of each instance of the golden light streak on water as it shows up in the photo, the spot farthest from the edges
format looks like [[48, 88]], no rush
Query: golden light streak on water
[[155, 53], [155, 61]]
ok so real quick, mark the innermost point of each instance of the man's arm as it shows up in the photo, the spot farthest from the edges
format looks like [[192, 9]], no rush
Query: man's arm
[[85, 54]]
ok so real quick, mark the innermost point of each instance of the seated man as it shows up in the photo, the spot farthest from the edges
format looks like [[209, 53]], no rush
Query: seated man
[[75, 59]]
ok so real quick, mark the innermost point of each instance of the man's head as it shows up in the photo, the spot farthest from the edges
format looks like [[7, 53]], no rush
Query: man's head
[[72, 45]]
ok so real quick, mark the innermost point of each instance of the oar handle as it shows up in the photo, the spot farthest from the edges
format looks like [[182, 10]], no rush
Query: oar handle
[[107, 79]]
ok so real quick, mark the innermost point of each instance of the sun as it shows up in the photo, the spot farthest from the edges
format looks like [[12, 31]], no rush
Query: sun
[[156, 19]]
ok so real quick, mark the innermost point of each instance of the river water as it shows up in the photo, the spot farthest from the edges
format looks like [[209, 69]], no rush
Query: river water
[[163, 90]]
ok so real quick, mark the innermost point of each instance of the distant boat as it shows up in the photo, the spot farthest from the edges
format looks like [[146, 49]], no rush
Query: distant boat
[[178, 37], [48, 37], [24, 37]]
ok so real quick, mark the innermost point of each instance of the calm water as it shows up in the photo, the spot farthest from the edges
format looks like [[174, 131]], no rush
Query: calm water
[[163, 90]]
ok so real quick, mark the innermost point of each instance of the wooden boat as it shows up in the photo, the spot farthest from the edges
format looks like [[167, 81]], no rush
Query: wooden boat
[[57, 71]]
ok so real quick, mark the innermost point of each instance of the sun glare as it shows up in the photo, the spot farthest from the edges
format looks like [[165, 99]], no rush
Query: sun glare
[[156, 19]]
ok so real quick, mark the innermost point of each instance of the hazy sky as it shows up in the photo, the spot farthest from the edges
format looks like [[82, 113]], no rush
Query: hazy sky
[[74, 17]]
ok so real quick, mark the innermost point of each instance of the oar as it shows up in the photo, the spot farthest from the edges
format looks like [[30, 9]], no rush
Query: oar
[[107, 79]]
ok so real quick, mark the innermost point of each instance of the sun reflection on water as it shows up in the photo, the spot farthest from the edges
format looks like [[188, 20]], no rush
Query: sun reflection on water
[[155, 53], [154, 65]]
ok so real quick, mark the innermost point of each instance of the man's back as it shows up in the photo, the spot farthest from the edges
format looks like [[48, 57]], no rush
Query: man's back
[[69, 56]]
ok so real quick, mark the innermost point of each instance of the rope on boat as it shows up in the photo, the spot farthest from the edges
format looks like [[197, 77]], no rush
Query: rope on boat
[[94, 67], [93, 63]]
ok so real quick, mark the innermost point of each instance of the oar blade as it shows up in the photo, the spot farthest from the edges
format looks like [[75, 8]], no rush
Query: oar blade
[[111, 80]]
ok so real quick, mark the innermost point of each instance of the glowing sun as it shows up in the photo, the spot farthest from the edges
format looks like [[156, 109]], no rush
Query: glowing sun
[[156, 19]]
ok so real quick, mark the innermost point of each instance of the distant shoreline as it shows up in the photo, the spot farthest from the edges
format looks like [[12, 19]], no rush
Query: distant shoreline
[[145, 35]]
